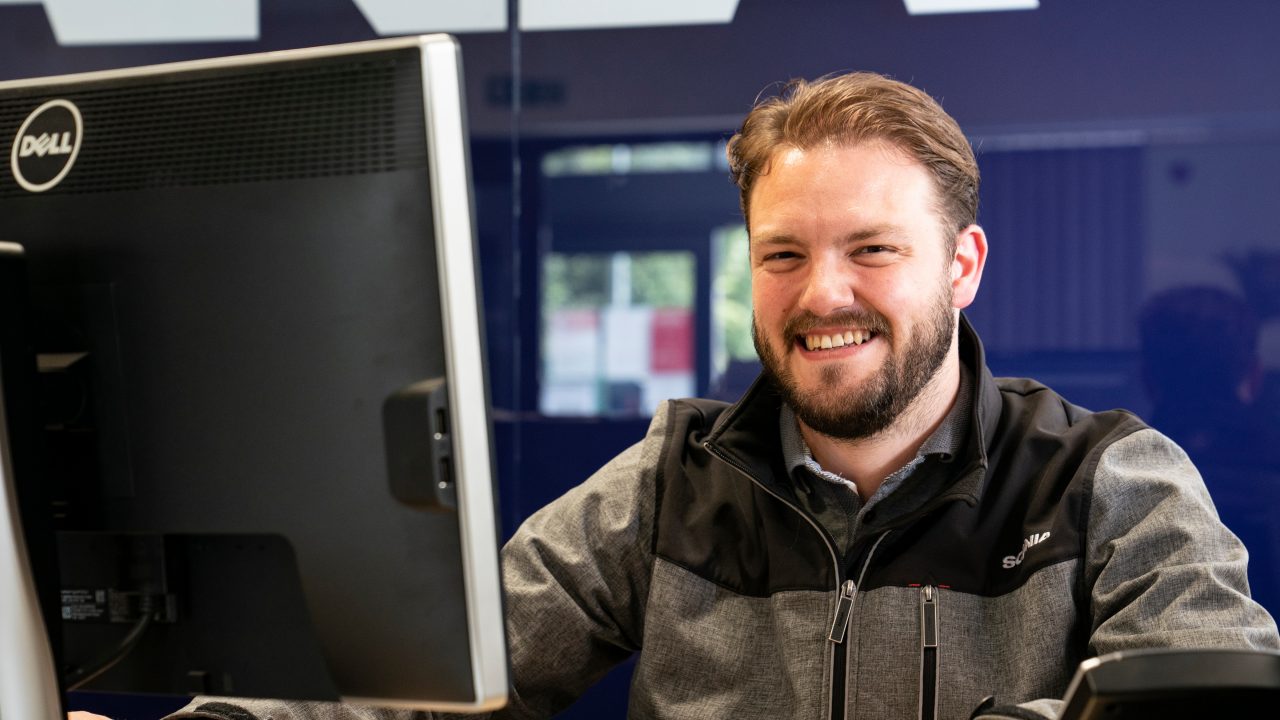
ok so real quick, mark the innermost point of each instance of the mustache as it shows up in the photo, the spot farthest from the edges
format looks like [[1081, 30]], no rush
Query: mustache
[[801, 323]]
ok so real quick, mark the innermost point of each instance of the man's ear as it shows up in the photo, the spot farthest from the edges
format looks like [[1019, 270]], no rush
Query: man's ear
[[966, 266]]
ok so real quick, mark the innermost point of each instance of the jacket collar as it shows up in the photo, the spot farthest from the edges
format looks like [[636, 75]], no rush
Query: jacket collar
[[748, 430]]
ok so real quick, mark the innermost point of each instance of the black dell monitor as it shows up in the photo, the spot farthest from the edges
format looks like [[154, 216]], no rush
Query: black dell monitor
[[256, 370]]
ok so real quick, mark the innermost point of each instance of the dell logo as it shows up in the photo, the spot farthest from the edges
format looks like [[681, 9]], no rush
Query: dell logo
[[46, 145]]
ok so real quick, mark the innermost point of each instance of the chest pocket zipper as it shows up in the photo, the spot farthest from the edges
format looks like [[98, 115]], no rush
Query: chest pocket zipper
[[928, 652]]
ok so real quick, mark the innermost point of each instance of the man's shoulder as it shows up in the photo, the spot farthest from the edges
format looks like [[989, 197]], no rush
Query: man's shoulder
[[1035, 416], [1022, 386], [1031, 394], [694, 409], [682, 417]]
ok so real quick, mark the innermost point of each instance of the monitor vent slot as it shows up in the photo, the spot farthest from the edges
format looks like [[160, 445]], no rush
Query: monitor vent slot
[[252, 123]]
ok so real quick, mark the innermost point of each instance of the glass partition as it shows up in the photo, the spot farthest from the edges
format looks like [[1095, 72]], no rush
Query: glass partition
[[1130, 164]]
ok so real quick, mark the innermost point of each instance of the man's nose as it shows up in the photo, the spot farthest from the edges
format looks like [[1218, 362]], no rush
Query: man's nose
[[829, 286]]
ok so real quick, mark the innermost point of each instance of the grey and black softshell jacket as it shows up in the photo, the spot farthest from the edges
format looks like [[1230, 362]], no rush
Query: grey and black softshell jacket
[[1055, 535]]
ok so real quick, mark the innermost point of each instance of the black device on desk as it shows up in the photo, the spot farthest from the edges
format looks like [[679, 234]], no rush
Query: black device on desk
[[1170, 684], [254, 302]]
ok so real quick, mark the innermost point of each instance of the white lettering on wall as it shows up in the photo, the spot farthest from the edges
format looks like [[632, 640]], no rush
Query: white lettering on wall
[[404, 17], [937, 7], [117, 22], [584, 14], [110, 22]]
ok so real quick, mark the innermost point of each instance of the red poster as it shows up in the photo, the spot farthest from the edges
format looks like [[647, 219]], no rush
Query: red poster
[[672, 340]]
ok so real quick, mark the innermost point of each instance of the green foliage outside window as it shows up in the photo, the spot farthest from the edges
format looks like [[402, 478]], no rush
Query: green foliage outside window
[[732, 289], [662, 279], [657, 279], [574, 281]]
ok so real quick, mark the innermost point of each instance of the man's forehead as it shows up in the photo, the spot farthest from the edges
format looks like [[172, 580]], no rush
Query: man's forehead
[[789, 154], [876, 166], [870, 162]]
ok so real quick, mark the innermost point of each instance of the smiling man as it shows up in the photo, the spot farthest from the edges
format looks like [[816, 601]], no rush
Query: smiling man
[[879, 528], [856, 280]]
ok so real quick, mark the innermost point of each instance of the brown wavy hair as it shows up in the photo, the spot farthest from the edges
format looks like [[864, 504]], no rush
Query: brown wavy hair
[[854, 107]]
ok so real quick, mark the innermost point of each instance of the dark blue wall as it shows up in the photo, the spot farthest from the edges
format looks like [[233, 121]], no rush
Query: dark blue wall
[[1129, 148]]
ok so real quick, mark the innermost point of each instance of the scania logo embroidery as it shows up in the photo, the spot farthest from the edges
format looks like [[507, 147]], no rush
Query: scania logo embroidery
[[46, 145], [1012, 561]]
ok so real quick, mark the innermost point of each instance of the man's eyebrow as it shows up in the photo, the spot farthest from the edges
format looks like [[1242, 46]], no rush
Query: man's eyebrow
[[885, 230], [772, 239]]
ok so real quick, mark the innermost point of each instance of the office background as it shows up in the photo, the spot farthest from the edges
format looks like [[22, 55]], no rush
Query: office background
[[1131, 159]]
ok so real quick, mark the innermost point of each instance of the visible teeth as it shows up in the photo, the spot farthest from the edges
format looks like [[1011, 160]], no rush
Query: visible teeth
[[827, 342]]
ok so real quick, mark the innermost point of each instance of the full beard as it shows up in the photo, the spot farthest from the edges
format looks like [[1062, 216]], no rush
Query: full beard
[[881, 400]]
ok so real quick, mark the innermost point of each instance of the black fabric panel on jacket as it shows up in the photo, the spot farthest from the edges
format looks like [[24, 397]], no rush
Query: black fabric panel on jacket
[[1017, 503], [1033, 507], [716, 522]]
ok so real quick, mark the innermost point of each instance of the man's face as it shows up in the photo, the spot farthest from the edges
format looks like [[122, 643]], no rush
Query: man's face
[[851, 283]]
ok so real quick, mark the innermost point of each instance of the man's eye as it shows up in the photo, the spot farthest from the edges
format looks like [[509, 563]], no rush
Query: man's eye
[[781, 255]]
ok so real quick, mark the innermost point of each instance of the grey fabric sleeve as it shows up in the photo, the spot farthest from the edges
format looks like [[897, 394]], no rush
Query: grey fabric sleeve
[[217, 708], [1161, 568], [576, 578], [1045, 709]]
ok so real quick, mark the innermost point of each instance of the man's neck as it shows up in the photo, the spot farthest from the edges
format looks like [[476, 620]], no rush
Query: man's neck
[[869, 461]]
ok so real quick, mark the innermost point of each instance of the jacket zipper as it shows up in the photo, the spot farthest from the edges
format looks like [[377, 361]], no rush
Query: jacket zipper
[[839, 629], [928, 653], [847, 588], [844, 609], [840, 651]]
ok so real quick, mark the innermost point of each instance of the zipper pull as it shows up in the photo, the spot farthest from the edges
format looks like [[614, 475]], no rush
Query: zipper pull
[[844, 611], [928, 617], [928, 653]]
